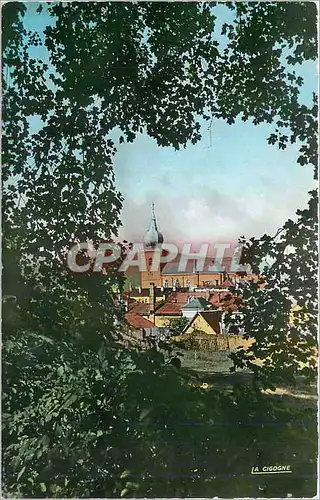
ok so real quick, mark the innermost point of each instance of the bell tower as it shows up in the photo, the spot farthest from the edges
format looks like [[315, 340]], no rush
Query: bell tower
[[153, 240]]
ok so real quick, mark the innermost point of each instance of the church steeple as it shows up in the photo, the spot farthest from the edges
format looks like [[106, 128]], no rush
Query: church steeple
[[153, 237]]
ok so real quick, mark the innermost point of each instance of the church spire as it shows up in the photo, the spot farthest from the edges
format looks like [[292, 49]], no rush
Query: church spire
[[153, 237], [153, 220]]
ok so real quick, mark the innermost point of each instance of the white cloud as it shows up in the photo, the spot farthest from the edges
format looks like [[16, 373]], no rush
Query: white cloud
[[211, 216]]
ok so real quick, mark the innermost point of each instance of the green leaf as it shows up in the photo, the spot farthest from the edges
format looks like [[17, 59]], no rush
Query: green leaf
[[132, 486], [43, 487], [144, 413], [20, 473], [60, 370], [125, 473]]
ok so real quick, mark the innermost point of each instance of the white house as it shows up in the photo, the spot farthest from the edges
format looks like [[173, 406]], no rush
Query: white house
[[195, 305]]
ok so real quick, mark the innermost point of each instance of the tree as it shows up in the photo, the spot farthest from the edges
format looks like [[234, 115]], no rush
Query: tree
[[79, 409], [281, 315], [177, 325]]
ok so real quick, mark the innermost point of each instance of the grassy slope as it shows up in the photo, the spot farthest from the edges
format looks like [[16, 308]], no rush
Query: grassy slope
[[298, 447]]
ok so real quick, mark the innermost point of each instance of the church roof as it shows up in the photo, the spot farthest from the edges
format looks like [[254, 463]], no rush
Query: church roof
[[190, 268]]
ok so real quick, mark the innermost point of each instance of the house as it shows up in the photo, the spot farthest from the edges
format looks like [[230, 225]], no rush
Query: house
[[141, 328], [167, 312], [174, 307], [143, 295], [195, 305], [205, 321], [141, 308]]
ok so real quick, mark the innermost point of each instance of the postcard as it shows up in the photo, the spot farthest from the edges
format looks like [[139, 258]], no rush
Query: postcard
[[159, 249]]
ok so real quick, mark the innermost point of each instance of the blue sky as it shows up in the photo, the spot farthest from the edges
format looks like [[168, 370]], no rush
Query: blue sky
[[230, 183], [221, 188]]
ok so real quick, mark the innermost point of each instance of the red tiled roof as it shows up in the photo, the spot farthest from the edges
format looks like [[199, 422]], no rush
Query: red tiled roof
[[137, 321], [140, 308], [130, 301], [144, 292], [226, 284], [224, 300], [216, 298], [182, 297], [170, 309]]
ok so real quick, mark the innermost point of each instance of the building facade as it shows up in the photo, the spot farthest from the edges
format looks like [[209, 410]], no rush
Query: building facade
[[168, 276]]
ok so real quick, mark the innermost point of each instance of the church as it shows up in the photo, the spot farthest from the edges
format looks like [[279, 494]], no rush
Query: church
[[168, 275]]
